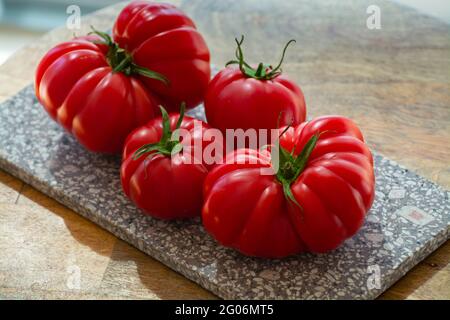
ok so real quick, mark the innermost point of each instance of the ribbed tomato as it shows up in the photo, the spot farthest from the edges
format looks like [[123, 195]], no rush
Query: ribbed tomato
[[317, 198], [75, 84], [101, 91], [162, 38]]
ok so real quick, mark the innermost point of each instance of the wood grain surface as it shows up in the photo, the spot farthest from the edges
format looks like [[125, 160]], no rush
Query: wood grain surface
[[394, 82]]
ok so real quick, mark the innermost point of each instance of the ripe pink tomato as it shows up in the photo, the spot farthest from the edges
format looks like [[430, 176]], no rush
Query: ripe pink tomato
[[100, 90], [157, 175], [162, 38], [318, 198], [248, 98]]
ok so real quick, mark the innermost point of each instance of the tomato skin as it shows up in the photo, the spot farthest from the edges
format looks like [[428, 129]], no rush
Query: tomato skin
[[257, 102], [78, 89], [75, 83], [162, 186], [162, 38], [248, 211]]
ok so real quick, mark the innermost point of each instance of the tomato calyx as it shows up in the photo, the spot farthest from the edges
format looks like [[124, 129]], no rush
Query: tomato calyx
[[263, 71], [169, 144], [122, 61], [291, 166]]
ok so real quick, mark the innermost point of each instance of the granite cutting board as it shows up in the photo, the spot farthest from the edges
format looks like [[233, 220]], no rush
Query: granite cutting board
[[410, 218]]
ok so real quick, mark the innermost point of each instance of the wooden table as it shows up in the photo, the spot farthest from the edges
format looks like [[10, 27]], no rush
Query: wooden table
[[395, 82]]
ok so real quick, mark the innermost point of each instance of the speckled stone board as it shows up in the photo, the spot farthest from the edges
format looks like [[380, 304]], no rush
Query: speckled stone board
[[409, 219]]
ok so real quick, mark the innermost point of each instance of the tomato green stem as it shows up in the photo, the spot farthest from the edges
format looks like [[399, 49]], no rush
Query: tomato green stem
[[259, 70], [263, 71], [292, 166], [169, 144], [122, 61]]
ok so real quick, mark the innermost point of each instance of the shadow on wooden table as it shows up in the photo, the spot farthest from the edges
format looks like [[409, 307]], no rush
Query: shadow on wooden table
[[10, 188], [129, 273]]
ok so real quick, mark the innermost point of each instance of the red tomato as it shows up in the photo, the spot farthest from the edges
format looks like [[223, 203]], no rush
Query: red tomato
[[163, 182], [247, 98], [101, 92], [75, 84], [162, 38], [317, 199]]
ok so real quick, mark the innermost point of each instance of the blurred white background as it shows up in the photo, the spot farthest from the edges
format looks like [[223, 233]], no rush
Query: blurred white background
[[22, 21]]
